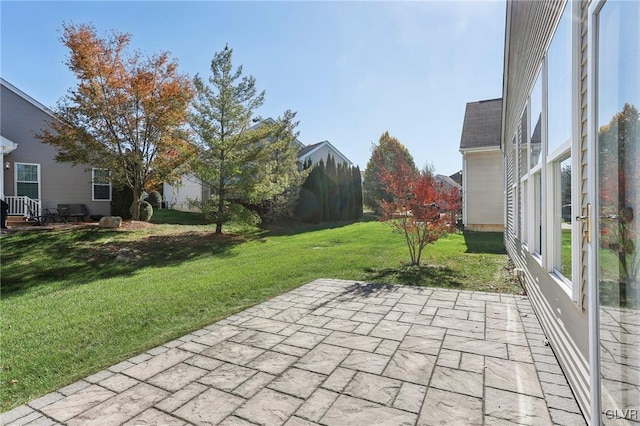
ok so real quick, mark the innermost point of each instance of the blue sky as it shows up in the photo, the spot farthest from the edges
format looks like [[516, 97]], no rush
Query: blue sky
[[351, 70]]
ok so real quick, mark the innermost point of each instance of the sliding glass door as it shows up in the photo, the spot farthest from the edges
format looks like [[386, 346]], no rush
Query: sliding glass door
[[617, 85]]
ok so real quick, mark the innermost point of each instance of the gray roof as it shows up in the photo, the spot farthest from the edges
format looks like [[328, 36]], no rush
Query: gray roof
[[306, 149], [482, 124], [448, 181]]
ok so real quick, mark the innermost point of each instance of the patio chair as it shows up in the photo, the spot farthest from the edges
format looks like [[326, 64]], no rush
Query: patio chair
[[43, 218]]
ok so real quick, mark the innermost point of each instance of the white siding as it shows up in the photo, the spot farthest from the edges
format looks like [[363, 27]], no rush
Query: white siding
[[178, 195], [484, 190], [322, 153]]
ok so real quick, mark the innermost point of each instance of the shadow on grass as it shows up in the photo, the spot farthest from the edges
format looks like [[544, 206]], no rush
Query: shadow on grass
[[484, 242], [431, 276], [79, 256], [295, 227], [176, 217]]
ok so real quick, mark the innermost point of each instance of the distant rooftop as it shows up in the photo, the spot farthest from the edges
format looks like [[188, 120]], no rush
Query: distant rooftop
[[482, 124]]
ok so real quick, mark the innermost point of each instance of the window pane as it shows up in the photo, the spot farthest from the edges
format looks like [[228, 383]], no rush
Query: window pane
[[524, 212], [101, 192], [563, 220], [26, 189], [618, 218], [523, 161], [537, 183], [101, 176], [536, 122], [27, 173], [559, 84]]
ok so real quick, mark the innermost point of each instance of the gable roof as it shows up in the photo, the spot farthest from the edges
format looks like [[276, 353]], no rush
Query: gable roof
[[457, 177], [306, 151], [482, 125], [447, 180]]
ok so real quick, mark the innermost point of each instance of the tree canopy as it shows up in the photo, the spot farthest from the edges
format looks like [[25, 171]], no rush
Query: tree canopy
[[385, 155], [619, 175], [331, 192], [126, 115], [419, 209], [242, 164]]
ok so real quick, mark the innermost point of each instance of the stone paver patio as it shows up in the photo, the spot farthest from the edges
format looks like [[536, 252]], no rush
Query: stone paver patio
[[335, 352]]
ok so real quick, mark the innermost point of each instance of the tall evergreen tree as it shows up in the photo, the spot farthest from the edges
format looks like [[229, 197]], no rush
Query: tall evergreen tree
[[332, 189], [236, 162], [324, 190], [307, 202], [357, 189], [344, 193]]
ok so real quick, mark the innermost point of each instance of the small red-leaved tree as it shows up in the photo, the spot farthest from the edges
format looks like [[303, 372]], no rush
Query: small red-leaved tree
[[420, 209]]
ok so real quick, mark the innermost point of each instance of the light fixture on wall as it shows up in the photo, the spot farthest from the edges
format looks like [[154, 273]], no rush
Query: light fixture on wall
[[7, 165]]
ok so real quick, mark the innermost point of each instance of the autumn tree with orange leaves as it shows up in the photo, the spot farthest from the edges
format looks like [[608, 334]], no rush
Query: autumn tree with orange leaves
[[420, 209], [127, 113]]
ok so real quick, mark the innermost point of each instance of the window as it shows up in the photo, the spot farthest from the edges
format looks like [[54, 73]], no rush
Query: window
[[523, 170], [537, 214], [535, 165], [559, 85], [101, 185], [562, 217], [524, 212], [28, 180], [535, 146], [559, 150]]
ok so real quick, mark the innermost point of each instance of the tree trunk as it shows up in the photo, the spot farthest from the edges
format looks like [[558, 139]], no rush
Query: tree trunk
[[135, 207]]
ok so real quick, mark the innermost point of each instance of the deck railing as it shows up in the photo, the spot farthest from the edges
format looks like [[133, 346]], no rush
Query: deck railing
[[22, 206]]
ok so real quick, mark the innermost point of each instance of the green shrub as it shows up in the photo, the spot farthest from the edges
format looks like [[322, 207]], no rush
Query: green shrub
[[146, 211], [155, 199]]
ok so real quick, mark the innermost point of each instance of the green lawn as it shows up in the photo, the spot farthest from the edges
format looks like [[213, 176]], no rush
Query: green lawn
[[76, 301]]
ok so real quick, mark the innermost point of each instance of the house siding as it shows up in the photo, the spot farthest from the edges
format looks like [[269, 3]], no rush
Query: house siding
[[322, 153], [59, 182], [531, 25], [179, 194], [484, 191]]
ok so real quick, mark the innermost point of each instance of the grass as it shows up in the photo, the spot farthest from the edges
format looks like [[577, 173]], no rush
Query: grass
[[565, 254], [78, 300]]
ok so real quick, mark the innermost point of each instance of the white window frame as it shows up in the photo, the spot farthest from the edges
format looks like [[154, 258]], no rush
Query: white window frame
[[93, 185], [523, 139], [551, 159], [534, 222], [39, 182]]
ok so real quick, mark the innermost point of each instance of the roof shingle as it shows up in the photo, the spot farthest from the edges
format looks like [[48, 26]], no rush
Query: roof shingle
[[482, 124]]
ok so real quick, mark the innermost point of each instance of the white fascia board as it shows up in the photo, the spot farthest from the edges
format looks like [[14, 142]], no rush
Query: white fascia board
[[495, 148], [7, 145], [333, 148]]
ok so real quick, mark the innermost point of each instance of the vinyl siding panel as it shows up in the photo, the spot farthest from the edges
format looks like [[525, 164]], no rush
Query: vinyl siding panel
[[60, 182], [484, 193], [583, 148], [322, 154]]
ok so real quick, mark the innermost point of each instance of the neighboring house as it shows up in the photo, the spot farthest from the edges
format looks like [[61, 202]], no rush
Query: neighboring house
[[571, 142], [482, 167], [30, 175], [321, 151], [457, 177], [447, 183], [178, 195]]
